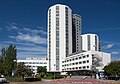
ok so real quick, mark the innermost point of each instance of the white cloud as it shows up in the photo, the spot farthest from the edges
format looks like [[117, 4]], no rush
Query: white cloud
[[25, 50], [11, 36], [28, 34], [33, 48], [12, 26], [32, 53], [34, 31], [20, 43], [115, 52], [108, 46], [29, 38], [30, 41], [28, 51], [24, 56]]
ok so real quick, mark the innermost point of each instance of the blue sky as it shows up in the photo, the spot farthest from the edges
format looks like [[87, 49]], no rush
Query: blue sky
[[24, 24]]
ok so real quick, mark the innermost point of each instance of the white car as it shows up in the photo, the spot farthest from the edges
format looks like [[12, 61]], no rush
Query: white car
[[3, 80]]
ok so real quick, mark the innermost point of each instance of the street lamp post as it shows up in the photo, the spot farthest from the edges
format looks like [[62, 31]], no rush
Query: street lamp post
[[14, 61], [14, 65], [54, 71]]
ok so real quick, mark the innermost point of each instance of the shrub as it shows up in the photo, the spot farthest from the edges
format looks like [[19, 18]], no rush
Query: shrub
[[58, 76], [15, 79], [32, 79], [50, 76]]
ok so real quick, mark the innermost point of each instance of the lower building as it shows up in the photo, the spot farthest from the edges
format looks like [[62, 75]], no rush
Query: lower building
[[86, 61], [33, 63], [75, 63]]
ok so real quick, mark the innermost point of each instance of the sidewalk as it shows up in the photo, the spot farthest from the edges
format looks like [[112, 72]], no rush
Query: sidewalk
[[70, 81], [81, 81], [113, 81]]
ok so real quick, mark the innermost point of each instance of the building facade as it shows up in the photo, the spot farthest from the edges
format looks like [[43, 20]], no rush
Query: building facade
[[76, 33], [90, 42], [33, 63], [59, 35], [90, 60], [68, 50]]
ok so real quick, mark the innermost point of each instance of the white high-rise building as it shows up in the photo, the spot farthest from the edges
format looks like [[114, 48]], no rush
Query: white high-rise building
[[90, 42], [65, 43], [76, 33], [59, 35]]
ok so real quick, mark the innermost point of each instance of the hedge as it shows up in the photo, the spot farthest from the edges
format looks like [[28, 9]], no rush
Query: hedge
[[32, 79]]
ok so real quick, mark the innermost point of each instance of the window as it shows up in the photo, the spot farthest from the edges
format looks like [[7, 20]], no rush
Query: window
[[95, 43], [87, 55], [57, 7], [41, 62], [84, 62], [88, 37], [37, 62], [87, 61], [26, 62], [76, 63], [45, 62], [79, 57], [77, 45], [84, 67], [84, 56], [80, 62], [30, 62], [76, 58], [73, 63]]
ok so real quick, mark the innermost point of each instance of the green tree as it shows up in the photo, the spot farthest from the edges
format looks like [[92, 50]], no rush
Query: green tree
[[7, 57], [113, 68], [3, 55], [10, 57], [2, 61], [42, 71], [23, 70]]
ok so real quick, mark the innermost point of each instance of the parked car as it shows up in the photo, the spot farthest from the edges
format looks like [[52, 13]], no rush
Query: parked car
[[3, 80]]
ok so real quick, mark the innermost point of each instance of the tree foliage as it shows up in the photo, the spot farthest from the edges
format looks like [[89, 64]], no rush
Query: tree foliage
[[42, 71], [7, 57], [113, 68], [23, 70]]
